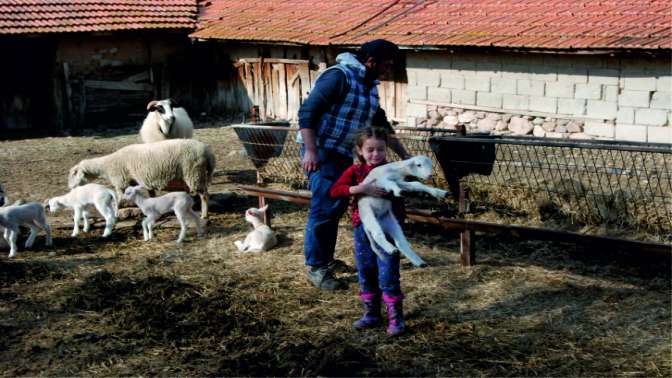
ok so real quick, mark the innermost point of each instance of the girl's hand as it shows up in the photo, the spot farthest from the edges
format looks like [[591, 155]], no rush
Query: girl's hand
[[369, 189]]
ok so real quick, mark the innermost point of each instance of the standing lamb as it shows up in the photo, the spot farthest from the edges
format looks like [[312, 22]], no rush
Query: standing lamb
[[82, 197], [29, 215], [262, 238], [166, 120], [376, 213], [178, 202], [156, 165]]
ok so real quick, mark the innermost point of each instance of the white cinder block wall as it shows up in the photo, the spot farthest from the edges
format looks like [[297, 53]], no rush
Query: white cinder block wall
[[621, 97]]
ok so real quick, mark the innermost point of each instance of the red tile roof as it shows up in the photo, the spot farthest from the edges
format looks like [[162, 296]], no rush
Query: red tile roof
[[57, 16], [552, 24]]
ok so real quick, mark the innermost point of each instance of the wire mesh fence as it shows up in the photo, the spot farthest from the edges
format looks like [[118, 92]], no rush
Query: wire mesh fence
[[600, 183]]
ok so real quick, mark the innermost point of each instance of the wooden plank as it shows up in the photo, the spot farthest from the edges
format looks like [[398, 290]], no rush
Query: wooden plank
[[400, 100], [268, 91], [249, 81], [273, 60], [293, 92], [281, 109], [118, 85], [82, 106], [144, 75], [68, 90], [304, 75], [274, 94]]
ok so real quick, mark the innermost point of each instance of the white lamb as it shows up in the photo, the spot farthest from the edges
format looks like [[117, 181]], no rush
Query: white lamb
[[29, 215], [81, 198], [376, 213], [262, 238], [166, 120], [157, 165], [178, 202]]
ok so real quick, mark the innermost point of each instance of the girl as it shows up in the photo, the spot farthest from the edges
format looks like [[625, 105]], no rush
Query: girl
[[377, 277]]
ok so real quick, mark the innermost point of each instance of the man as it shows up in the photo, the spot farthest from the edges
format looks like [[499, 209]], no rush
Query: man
[[344, 99]]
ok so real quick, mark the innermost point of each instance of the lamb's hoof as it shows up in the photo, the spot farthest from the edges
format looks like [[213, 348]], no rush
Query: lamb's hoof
[[11, 256]]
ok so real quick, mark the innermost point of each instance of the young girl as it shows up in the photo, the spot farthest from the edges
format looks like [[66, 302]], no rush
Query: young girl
[[377, 277]]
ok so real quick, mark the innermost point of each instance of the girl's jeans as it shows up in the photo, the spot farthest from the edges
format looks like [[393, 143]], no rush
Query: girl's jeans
[[375, 274], [325, 212]]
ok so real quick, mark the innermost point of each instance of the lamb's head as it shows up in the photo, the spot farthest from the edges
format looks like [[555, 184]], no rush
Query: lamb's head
[[77, 176], [131, 192], [2, 196], [419, 166], [164, 111], [254, 215], [54, 205]]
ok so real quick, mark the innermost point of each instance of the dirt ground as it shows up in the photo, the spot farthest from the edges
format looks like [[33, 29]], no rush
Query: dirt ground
[[121, 306]]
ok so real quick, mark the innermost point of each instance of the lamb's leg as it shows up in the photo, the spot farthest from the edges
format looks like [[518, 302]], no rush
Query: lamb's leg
[[77, 215], [204, 205], [85, 219], [150, 226], [183, 226], [374, 231], [194, 217], [47, 229], [107, 211], [414, 186], [390, 186], [145, 229], [32, 236], [10, 236], [239, 244], [391, 227]]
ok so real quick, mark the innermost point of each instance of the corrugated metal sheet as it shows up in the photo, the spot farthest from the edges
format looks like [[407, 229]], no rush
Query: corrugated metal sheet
[[553, 24], [61, 16]]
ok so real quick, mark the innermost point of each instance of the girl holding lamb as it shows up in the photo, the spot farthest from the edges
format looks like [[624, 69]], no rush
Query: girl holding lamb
[[377, 277]]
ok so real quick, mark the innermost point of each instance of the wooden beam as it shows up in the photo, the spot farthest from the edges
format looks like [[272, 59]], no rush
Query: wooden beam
[[118, 85]]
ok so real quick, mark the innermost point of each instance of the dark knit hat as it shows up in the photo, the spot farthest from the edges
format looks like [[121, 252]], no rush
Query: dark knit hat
[[379, 50]]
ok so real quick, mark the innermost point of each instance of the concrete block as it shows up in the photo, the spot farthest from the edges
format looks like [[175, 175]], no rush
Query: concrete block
[[573, 74], [544, 73], [599, 129], [588, 91], [651, 117], [603, 76], [516, 71], [493, 100], [412, 76], [416, 110], [439, 94], [477, 84], [571, 106], [544, 104], [601, 109], [429, 78], [453, 80], [515, 102], [659, 134], [560, 89], [416, 93], [638, 99], [505, 85], [640, 83], [464, 97], [610, 93], [664, 83], [634, 133], [625, 115], [661, 100], [530, 87]]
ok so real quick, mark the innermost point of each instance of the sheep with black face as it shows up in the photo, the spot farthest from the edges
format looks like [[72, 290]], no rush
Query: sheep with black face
[[166, 120]]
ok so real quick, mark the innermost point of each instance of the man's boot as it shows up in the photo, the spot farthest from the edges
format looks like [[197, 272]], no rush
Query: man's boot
[[371, 317], [323, 278], [395, 314]]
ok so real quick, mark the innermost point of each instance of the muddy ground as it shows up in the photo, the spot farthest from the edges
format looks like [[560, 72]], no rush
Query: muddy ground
[[121, 306]]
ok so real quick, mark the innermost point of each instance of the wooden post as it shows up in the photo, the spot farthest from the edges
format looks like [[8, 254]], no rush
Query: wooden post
[[466, 249], [68, 92], [262, 201]]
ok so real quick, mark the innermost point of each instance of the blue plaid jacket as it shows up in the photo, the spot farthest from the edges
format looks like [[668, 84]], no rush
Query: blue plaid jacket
[[355, 110]]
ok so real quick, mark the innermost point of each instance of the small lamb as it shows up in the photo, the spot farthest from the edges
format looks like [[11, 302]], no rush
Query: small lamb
[[81, 198], [178, 202], [376, 213], [262, 238], [30, 215]]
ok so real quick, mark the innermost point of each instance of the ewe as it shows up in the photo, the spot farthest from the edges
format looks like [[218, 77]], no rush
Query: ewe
[[262, 238], [155, 165], [178, 202], [165, 120], [83, 197], [376, 213]]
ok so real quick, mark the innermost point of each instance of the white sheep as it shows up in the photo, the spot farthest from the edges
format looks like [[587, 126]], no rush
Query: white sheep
[[262, 238], [376, 213], [178, 202], [81, 198], [165, 120], [156, 165], [29, 215]]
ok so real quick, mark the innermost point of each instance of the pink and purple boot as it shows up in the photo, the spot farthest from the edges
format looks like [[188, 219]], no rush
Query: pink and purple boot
[[371, 317], [395, 314]]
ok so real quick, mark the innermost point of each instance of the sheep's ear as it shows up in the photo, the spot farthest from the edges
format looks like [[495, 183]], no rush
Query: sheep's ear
[[152, 106], [263, 209]]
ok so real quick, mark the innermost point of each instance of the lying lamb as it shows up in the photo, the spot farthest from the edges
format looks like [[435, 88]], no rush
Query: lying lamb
[[83, 197], [262, 238], [157, 165], [28, 215], [178, 202], [376, 213], [166, 120]]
